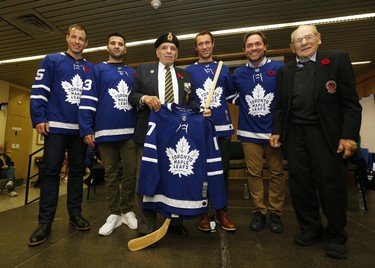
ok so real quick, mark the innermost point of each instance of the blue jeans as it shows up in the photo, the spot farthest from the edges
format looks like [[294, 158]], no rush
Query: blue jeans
[[55, 146], [9, 174]]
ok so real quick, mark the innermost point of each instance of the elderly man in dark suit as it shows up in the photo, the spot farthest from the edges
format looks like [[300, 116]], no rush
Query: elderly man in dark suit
[[157, 84], [317, 121]]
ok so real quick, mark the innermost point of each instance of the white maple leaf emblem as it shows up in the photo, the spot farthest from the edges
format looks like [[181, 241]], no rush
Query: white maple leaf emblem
[[203, 94], [120, 96], [259, 105], [73, 90], [181, 160]]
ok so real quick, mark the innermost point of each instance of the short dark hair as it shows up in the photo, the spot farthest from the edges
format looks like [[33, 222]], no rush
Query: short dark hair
[[79, 27], [116, 34], [203, 33], [261, 34]]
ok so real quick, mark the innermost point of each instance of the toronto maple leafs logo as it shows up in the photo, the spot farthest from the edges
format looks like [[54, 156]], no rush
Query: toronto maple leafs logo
[[120, 96], [73, 90], [205, 91], [182, 160], [259, 104]]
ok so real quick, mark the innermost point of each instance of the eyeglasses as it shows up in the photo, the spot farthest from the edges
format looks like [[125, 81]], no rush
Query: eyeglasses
[[308, 38]]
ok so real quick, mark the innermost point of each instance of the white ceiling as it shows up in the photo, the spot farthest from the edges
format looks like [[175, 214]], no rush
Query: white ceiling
[[29, 28]]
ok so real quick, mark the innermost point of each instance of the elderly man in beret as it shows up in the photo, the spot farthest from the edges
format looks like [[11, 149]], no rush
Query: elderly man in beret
[[150, 91]]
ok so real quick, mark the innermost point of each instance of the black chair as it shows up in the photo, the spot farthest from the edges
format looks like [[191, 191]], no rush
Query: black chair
[[236, 153], [96, 177]]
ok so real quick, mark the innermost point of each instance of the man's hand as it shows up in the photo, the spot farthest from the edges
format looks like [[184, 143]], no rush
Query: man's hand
[[42, 128], [152, 102], [90, 140], [275, 141], [207, 112], [347, 147]]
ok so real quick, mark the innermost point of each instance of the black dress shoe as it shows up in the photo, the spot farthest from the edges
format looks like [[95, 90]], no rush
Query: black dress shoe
[[335, 250], [258, 222], [307, 239], [276, 225], [40, 234], [178, 229], [79, 222]]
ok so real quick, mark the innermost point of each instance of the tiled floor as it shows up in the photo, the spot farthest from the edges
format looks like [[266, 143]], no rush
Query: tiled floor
[[67, 247]]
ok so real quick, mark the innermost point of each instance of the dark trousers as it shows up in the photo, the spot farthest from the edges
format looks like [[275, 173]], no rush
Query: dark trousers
[[55, 146], [317, 175], [224, 146]]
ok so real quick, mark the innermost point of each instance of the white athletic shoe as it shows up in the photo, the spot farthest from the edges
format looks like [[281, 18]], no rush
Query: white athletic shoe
[[13, 194], [113, 221], [9, 185], [130, 220]]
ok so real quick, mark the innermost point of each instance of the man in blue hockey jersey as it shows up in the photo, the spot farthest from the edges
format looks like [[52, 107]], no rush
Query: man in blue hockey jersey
[[203, 72], [107, 120], [54, 102], [256, 86]]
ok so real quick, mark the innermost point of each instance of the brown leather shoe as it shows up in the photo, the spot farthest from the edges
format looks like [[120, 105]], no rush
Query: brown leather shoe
[[224, 221], [204, 223]]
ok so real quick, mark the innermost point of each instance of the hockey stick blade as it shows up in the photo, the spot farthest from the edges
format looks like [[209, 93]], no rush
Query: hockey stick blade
[[147, 240]]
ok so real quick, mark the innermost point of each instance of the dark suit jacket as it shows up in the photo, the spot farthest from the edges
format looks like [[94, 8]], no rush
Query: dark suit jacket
[[146, 83], [336, 99]]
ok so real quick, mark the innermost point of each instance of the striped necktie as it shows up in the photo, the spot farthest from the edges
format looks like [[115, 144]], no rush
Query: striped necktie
[[169, 96]]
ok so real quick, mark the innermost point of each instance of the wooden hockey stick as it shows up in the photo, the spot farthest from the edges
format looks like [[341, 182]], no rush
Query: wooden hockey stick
[[147, 240], [213, 85]]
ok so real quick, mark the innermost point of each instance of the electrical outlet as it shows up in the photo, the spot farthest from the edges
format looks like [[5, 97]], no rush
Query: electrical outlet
[[15, 146]]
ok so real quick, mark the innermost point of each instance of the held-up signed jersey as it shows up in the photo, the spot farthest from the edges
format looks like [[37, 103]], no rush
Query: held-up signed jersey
[[181, 166], [56, 92]]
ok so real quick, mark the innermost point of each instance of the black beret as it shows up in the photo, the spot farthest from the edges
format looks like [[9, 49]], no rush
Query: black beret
[[168, 37]]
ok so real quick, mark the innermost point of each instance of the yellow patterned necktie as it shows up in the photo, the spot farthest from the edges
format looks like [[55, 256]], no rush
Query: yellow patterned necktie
[[169, 96]]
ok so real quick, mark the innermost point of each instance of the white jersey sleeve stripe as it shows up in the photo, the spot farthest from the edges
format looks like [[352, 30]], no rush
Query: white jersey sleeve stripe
[[42, 86], [213, 160], [89, 97], [151, 146], [148, 159], [87, 108], [39, 97]]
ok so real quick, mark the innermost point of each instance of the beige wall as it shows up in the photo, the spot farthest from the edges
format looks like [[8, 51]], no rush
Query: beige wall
[[18, 131]]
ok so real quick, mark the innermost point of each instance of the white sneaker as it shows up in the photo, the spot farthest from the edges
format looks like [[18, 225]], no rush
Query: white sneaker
[[130, 220], [113, 221], [13, 194], [9, 185]]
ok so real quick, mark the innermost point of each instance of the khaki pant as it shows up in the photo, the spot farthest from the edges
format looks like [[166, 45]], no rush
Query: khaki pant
[[115, 155], [254, 154]]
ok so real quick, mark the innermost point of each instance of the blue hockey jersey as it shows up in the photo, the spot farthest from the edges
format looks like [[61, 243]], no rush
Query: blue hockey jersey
[[105, 110], [203, 76], [181, 166], [256, 97], [56, 92]]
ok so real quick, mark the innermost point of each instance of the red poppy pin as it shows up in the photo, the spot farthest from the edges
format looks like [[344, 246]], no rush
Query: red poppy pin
[[133, 74], [271, 72], [179, 75], [325, 62], [86, 69]]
